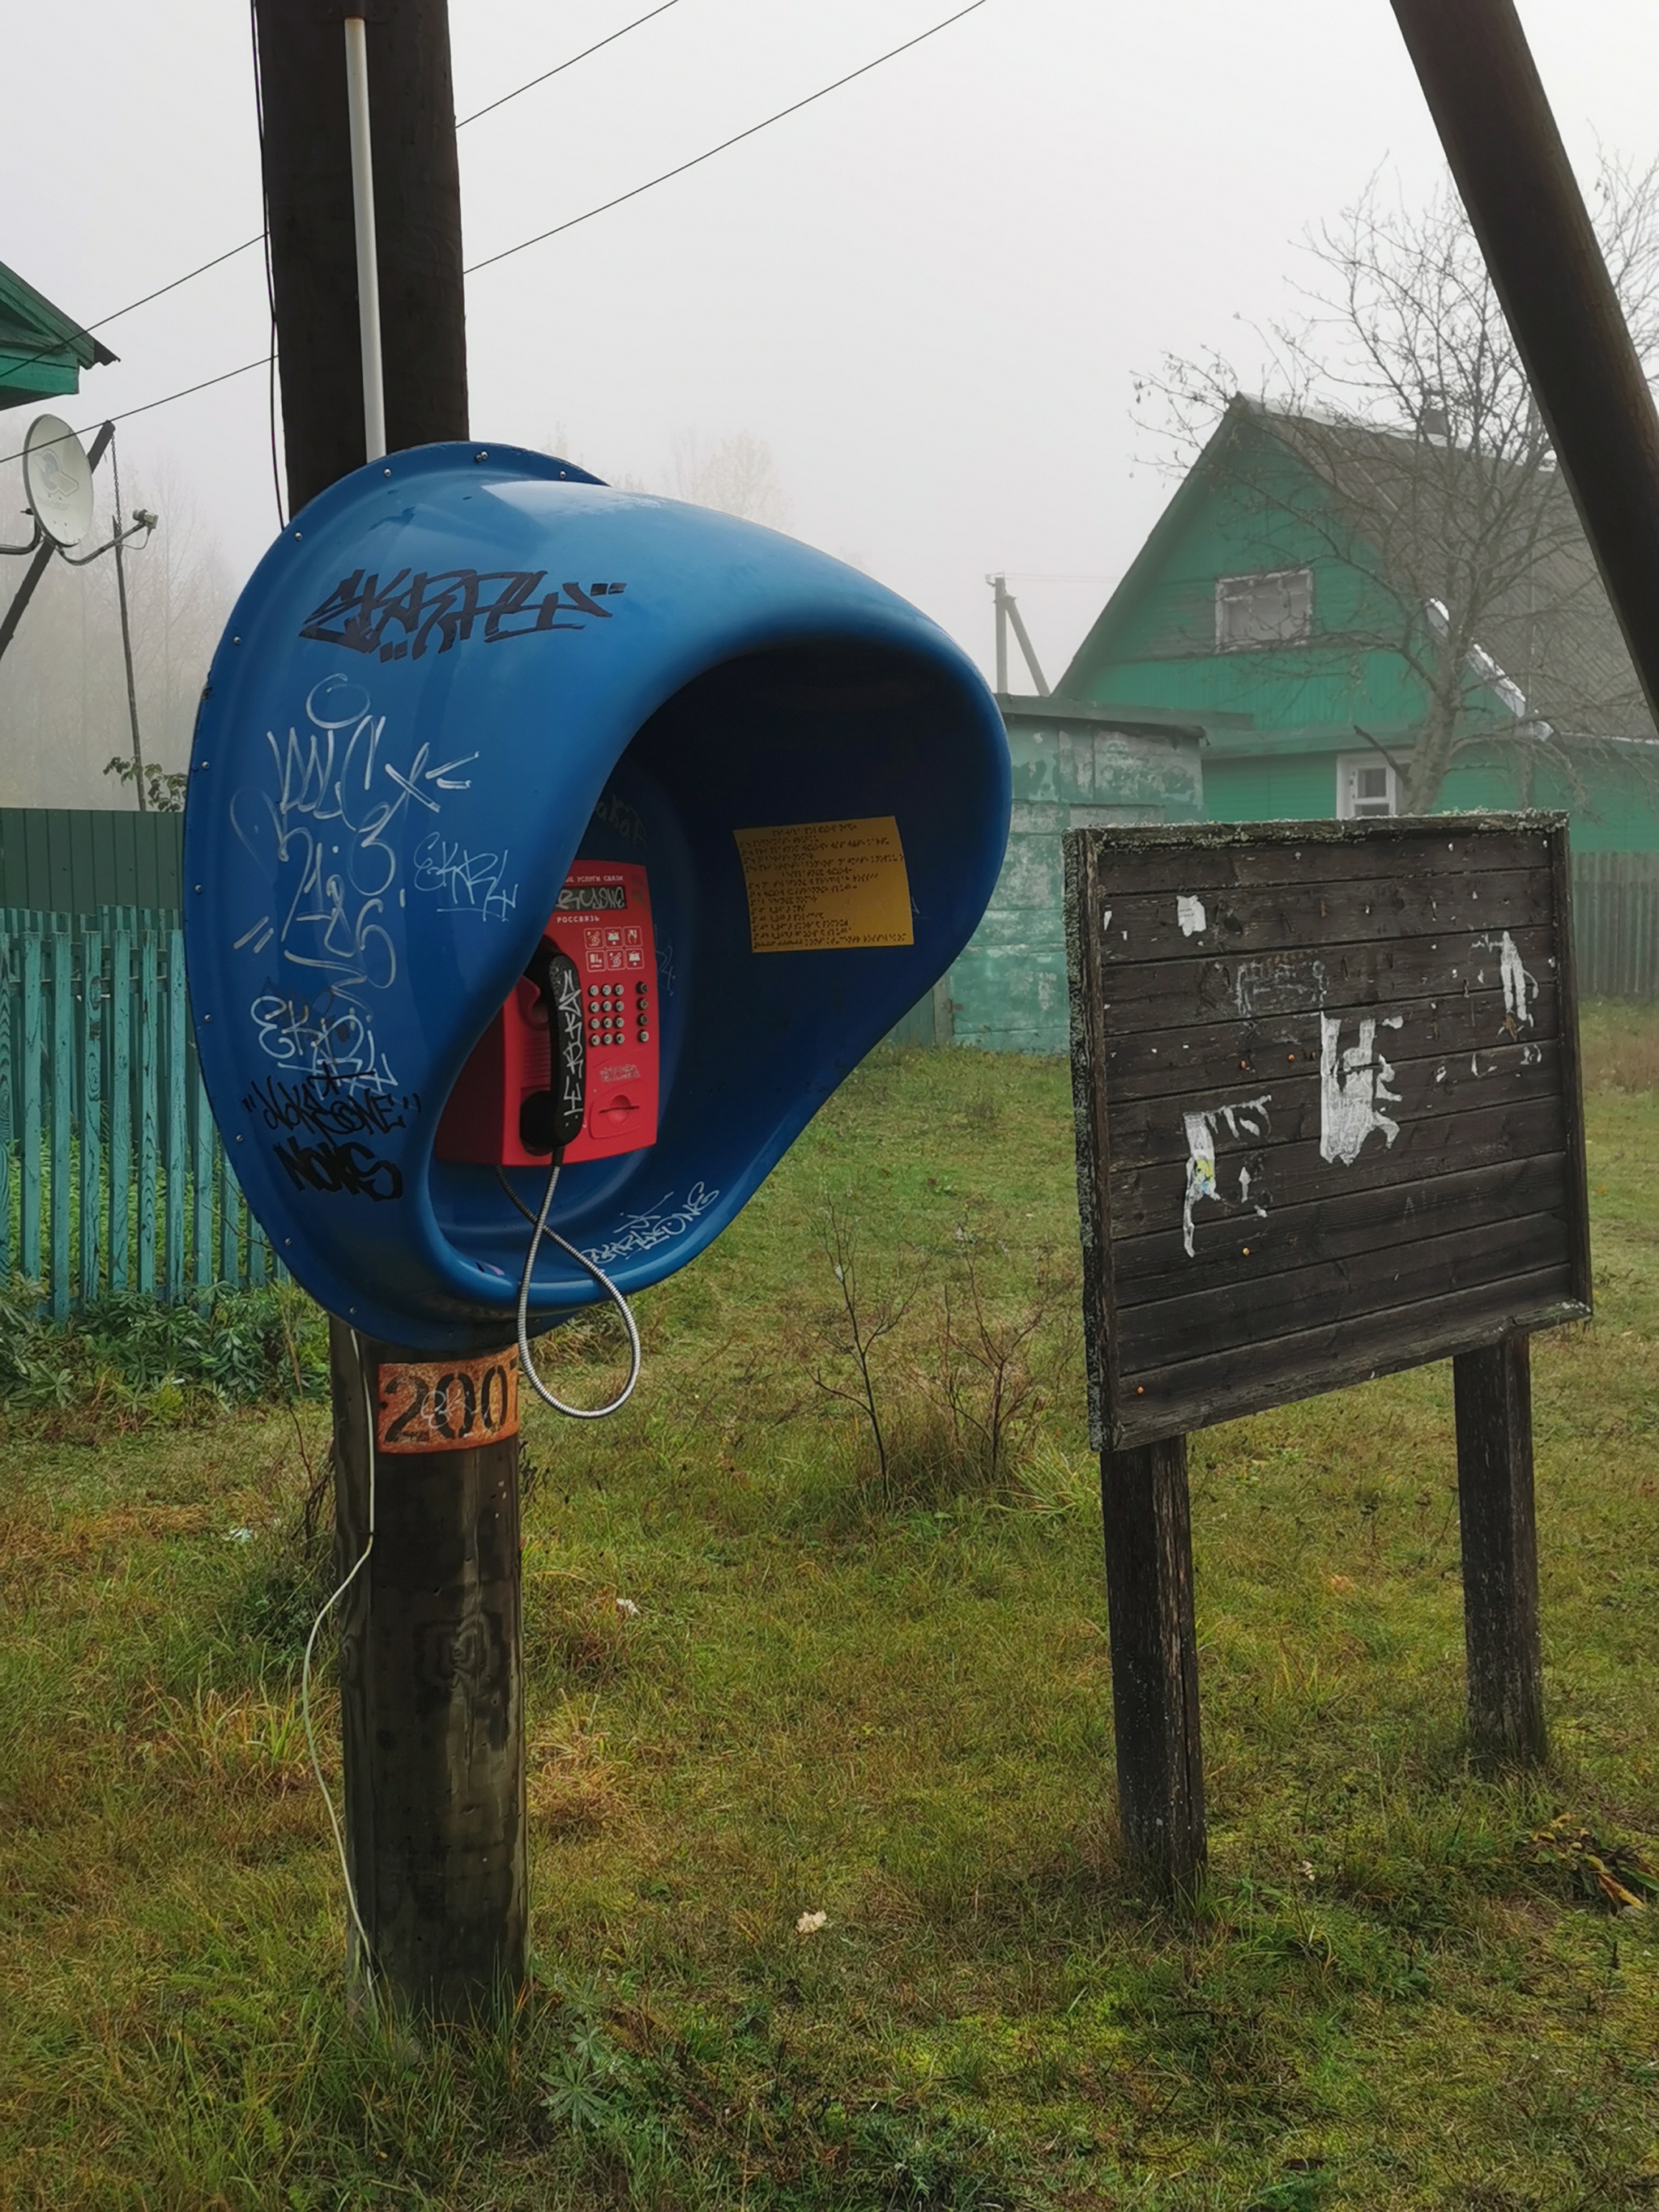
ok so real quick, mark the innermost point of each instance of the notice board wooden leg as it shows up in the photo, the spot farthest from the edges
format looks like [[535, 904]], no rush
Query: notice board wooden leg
[[1149, 1597], [431, 1708], [1492, 1390]]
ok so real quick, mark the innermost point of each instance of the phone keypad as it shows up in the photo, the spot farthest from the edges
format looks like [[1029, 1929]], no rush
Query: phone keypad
[[608, 1013]]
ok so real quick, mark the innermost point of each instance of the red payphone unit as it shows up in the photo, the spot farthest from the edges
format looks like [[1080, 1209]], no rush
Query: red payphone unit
[[500, 1113]]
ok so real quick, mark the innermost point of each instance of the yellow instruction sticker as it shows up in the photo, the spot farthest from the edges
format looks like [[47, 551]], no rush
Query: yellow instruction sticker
[[826, 886]]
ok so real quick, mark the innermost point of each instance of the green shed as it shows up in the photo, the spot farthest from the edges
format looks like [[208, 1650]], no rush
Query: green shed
[[1076, 765], [74, 859]]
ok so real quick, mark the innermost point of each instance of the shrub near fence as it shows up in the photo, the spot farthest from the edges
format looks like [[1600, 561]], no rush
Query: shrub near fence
[[1615, 924], [113, 1174]]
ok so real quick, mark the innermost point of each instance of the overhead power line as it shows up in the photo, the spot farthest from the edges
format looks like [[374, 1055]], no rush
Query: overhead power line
[[737, 139], [604, 208], [86, 329], [559, 71], [127, 413]]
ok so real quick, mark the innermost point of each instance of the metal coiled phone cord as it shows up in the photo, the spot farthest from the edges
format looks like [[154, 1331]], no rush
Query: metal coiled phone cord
[[576, 1412]]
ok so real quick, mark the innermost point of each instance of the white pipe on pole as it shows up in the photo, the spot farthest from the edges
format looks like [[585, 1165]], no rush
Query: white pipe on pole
[[369, 266]]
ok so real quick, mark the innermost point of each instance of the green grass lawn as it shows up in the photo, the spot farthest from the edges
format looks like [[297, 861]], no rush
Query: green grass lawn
[[883, 1700]]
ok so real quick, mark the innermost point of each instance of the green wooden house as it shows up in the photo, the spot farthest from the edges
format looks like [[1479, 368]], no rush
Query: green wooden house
[[42, 351], [1267, 607]]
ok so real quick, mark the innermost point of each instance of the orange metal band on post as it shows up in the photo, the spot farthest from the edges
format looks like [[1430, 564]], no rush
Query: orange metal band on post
[[447, 1404]]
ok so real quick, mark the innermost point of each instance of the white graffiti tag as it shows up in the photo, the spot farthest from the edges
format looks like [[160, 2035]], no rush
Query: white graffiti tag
[[464, 881], [644, 1232], [329, 832], [335, 1041]]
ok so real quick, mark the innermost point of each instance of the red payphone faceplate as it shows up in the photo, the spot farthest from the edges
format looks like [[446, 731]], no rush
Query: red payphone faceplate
[[603, 921]]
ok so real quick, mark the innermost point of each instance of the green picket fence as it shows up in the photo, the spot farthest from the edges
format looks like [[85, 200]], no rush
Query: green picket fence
[[113, 1174], [1615, 924]]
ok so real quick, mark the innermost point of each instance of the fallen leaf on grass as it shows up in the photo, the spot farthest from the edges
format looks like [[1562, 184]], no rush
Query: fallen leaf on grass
[[1614, 1873]]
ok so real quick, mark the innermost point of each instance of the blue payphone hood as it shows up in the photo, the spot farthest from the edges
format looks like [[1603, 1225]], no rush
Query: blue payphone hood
[[454, 672]]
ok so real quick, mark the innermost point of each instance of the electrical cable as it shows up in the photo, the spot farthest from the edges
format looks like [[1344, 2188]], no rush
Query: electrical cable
[[552, 1236], [604, 208], [328, 1607], [559, 71], [86, 329], [737, 139], [127, 413], [271, 284]]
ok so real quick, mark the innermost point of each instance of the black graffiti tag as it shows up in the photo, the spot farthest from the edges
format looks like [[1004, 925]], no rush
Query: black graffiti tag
[[328, 1106], [367, 616], [350, 1168]]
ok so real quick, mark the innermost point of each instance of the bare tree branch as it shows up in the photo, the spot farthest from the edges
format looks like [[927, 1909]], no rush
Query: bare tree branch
[[1396, 435]]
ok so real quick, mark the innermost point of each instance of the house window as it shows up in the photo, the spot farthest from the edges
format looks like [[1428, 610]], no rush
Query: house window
[[1276, 609], [1366, 788]]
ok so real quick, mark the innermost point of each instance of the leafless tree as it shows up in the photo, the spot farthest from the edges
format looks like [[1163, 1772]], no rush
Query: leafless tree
[[1396, 433], [737, 477]]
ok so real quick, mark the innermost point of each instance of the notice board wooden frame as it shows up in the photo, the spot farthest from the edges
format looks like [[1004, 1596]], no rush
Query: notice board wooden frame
[[1328, 1105]]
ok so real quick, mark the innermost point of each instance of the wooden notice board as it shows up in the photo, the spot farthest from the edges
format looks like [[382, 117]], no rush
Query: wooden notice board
[[1327, 1100]]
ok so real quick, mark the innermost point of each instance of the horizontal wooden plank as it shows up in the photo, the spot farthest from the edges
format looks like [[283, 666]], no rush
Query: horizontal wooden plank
[[1170, 994], [1278, 918], [1196, 862], [1221, 1386], [1145, 1200], [1244, 1118], [1239, 1246], [1149, 1065], [1371, 1282]]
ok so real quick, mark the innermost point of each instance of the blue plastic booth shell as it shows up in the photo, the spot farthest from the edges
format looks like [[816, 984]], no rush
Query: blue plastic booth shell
[[380, 814]]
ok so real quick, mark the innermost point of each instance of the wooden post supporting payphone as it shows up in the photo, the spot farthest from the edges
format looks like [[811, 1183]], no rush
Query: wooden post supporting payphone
[[432, 1676], [431, 1641]]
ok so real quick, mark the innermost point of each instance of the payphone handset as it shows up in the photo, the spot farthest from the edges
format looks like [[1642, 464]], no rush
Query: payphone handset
[[594, 973]]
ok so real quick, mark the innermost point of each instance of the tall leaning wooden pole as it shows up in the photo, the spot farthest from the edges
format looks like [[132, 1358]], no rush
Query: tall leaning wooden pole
[[1524, 205], [1511, 170], [431, 1641]]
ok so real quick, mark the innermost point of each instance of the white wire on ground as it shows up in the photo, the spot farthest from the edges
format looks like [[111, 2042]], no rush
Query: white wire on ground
[[576, 1412], [328, 1607]]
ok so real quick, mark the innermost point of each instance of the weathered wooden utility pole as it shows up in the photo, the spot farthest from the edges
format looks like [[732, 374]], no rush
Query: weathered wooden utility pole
[[431, 1658], [418, 194]]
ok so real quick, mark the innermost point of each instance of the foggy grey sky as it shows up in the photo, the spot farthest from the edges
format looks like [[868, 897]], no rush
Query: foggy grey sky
[[928, 293]]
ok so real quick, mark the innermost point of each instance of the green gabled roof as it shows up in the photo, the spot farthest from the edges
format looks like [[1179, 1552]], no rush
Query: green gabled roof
[[1190, 494], [1567, 654], [42, 350]]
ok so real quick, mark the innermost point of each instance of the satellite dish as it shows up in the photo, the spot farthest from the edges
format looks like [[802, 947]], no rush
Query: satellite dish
[[58, 480]]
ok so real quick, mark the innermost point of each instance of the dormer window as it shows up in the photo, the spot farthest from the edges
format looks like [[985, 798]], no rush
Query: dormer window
[[1273, 609], [1367, 789]]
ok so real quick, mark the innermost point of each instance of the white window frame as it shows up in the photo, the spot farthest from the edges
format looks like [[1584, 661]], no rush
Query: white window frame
[[1350, 805], [1229, 588]]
